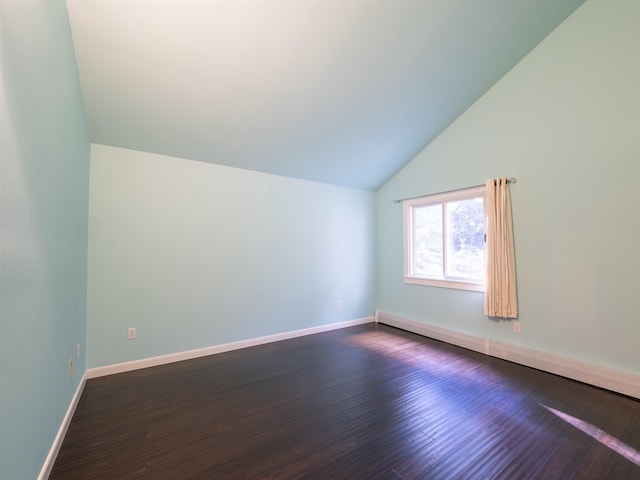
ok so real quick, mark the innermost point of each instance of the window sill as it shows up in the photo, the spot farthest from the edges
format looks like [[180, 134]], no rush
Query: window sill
[[433, 282]]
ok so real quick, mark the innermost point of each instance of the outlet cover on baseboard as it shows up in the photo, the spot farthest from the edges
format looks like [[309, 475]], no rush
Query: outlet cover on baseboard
[[131, 333]]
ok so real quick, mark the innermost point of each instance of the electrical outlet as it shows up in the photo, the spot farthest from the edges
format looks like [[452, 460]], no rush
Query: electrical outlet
[[339, 304], [70, 367], [131, 333], [79, 351], [516, 327]]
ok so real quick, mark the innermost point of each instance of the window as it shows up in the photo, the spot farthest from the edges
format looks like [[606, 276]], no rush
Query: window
[[444, 239]]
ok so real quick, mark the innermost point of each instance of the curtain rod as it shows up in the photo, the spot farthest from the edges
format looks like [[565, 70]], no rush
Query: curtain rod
[[509, 180]]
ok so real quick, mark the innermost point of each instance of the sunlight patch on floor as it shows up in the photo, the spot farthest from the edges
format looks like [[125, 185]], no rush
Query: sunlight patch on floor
[[601, 436], [432, 359]]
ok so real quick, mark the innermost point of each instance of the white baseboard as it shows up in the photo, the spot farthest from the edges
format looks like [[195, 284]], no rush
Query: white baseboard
[[614, 380], [226, 347], [57, 442]]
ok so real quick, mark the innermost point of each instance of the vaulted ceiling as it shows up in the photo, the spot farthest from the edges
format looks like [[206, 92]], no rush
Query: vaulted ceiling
[[337, 91]]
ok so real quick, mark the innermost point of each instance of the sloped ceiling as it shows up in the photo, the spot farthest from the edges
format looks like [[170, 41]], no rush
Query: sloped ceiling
[[337, 91]]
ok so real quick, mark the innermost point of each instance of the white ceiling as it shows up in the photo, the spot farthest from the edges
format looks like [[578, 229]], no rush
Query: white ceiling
[[338, 91]]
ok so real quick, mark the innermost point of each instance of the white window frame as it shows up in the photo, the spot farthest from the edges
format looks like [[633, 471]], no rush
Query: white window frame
[[439, 198]]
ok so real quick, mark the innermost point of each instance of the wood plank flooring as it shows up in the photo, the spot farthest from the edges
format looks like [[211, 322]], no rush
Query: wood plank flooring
[[368, 402]]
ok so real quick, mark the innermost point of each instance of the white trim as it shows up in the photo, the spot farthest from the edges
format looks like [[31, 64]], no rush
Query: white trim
[[226, 347], [614, 380], [66, 421], [446, 283], [449, 196]]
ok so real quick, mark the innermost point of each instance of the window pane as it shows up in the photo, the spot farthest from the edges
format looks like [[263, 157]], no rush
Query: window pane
[[465, 238], [427, 240]]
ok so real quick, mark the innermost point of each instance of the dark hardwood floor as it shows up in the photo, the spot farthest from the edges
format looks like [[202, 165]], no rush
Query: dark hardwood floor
[[368, 402]]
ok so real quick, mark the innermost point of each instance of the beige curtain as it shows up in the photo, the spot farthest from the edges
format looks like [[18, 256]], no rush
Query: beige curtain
[[500, 298]]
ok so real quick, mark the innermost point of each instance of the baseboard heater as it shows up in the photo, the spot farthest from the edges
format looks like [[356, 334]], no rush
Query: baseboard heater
[[614, 380]]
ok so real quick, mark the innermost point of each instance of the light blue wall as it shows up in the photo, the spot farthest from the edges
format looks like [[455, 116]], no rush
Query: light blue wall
[[194, 254], [44, 179], [565, 122]]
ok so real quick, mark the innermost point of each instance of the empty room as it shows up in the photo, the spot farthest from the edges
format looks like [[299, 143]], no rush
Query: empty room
[[319, 239]]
